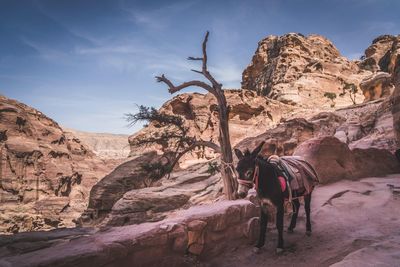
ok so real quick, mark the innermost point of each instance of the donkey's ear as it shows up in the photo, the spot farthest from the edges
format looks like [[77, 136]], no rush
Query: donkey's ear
[[238, 153], [257, 149]]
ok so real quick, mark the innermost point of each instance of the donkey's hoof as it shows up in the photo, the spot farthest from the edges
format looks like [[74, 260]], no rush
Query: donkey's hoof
[[256, 250], [308, 233], [290, 230], [279, 250]]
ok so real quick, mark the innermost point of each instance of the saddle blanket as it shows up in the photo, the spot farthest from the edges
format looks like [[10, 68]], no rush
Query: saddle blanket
[[300, 174]]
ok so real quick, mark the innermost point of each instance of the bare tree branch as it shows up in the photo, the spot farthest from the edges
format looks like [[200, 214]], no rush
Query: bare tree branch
[[197, 71], [173, 89], [209, 144], [205, 71], [195, 58]]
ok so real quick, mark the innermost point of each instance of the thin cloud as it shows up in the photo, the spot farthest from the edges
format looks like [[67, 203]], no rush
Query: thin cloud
[[157, 19]]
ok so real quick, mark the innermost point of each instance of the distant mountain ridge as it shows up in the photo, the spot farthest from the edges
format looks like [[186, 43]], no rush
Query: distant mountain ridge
[[104, 145]]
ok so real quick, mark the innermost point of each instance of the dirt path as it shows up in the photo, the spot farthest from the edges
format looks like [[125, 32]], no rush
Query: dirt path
[[354, 224]]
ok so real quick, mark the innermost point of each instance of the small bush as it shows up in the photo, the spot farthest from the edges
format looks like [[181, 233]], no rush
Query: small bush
[[213, 168]]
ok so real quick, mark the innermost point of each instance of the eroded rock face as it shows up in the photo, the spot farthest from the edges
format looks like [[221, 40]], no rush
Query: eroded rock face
[[333, 160], [124, 178], [284, 139], [376, 86], [249, 115], [182, 189], [396, 97], [299, 69], [380, 59], [378, 56], [368, 125], [45, 175]]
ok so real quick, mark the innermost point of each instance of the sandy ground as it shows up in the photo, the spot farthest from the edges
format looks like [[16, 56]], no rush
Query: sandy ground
[[355, 223]]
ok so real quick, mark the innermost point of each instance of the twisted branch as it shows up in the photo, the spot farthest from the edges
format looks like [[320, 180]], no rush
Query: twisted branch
[[173, 89], [195, 144]]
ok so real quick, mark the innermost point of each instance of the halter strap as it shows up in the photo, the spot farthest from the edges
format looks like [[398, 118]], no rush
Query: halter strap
[[254, 181]]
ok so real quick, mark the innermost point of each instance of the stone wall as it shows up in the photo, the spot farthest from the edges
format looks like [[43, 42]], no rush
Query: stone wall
[[200, 232]]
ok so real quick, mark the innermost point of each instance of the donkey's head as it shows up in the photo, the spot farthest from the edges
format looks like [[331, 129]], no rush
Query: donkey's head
[[245, 168]]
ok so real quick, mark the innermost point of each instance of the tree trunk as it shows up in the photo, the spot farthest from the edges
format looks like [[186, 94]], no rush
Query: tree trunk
[[230, 183], [227, 170]]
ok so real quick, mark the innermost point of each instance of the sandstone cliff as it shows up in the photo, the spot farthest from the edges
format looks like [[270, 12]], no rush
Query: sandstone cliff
[[380, 58], [45, 174], [299, 69]]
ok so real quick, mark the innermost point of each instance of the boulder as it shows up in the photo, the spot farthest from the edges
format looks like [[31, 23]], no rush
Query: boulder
[[333, 160], [127, 176], [132, 204], [284, 139]]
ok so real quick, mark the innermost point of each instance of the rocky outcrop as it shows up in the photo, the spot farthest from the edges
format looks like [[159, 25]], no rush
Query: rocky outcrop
[[299, 69], [249, 115], [380, 58], [45, 174], [121, 199], [396, 96], [377, 56], [104, 145], [367, 125], [284, 139], [124, 178], [333, 160], [376, 86], [203, 231]]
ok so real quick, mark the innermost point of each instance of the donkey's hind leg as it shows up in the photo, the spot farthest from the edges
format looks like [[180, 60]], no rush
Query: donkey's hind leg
[[296, 206], [307, 204], [279, 226]]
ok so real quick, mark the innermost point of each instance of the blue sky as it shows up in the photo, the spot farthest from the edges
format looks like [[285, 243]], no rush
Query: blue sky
[[86, 63]]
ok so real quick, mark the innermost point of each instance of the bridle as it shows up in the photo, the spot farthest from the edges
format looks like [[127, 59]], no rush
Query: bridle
[[254, 181]]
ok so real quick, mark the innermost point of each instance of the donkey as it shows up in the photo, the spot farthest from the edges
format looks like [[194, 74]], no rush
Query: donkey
[[253, 169]]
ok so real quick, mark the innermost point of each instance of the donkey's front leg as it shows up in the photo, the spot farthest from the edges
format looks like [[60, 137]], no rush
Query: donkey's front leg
[[307, 204], [263, 229], [279, 226]]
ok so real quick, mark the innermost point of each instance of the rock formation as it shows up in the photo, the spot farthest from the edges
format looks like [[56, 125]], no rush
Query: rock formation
[[193, 186], [395, 58], [377, 56], [249, 115], [45, 174], [360, 126], [284, 139], [333, 160], [124, 178], [299, 69], [380, 59]]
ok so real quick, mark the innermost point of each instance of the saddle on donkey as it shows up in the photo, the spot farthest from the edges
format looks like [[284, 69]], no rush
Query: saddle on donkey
[[300, 176]]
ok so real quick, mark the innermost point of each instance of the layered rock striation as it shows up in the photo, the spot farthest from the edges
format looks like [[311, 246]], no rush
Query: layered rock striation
[[299, 70], [45, 174]]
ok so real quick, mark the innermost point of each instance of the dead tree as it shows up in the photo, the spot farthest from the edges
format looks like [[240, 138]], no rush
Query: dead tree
[[215, 88]]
